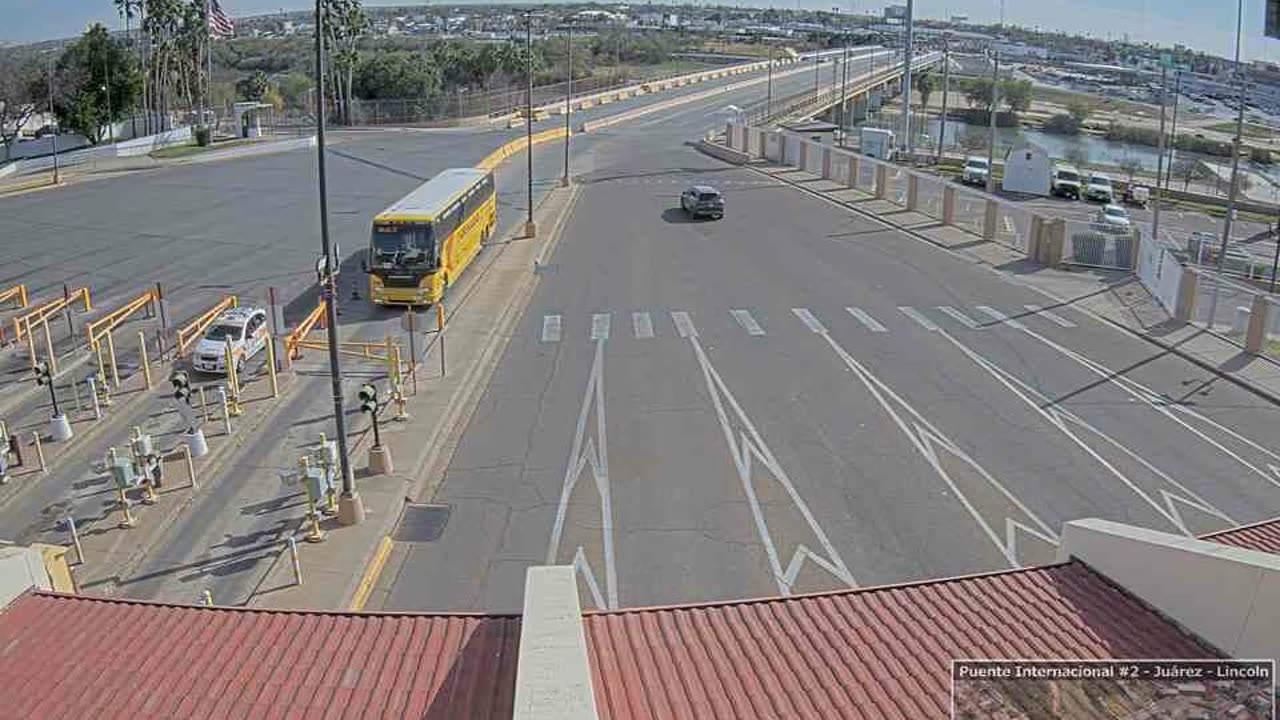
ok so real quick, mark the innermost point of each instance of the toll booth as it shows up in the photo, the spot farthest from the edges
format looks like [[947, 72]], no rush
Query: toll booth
[[248, 118]]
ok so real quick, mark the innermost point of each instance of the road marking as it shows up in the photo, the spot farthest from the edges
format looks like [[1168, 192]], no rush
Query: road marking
[[930, 442], [684, 325], [998, 316], [642, 324], [1061, 419], [869, 322], [959, 317], [808, 319], [1050, 315], [919, 317], [550, 328], [590, 452], [600, 326], [747, 322], [748, 444]]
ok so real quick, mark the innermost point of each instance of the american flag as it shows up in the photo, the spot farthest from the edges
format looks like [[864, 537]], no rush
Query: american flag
[[220, 26]]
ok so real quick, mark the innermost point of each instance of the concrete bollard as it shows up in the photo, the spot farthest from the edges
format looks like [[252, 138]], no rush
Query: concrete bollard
[[804, 155], [990, 220], [1240, 321], [226, 409], [1186, 304], [913, 192], [882, 181], [826, 163], [196, 443], [852, 180], [380, 460], [948, 205], [1259, 321]]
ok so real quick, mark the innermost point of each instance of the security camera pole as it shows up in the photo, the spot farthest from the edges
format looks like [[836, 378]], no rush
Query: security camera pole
[[350, 507]]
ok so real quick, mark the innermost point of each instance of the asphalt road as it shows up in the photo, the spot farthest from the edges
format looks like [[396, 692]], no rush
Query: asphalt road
[[796, 398]]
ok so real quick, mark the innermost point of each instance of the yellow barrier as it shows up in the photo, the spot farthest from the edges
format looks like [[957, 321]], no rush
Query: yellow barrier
[[18, 292], [188, 334], [103, 326], [294, 340], [363, 350], [49, 308], [495, 158]]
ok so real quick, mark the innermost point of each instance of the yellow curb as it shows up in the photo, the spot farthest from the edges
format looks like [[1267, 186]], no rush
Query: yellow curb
[[371, 574]]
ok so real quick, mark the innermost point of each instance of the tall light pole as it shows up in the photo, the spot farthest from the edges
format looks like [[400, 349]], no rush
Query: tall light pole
[[768, 97], [568, 106], [995, 108], [350, 507], [908, 49], [844, 89], [529, 228], [54, 119], [1155, 210], [1173, 129], [817, 77], [946, 86], [1236, 143]]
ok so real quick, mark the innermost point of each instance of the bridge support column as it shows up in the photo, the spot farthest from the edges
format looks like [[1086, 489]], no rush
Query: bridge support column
[[882, 181], [990, 219], [826, 163], [913, 192], [948, 205], [763, 138], [729, 140]]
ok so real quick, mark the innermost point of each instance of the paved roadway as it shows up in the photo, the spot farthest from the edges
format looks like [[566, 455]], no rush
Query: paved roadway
[[233, 227], [797, 398]]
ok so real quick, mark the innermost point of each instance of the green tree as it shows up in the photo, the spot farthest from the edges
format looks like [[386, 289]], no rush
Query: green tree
[[1062, 124], [1081, 108], [925, 85], [95, 84], [973, 139], [254, 87], [345, 23], [396, 76], [21, 87], [294, 89], [1187, 170], [977, 92], [1015, 94]]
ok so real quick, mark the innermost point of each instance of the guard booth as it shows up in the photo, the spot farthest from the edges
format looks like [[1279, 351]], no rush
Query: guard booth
[[1026, 170], [248, 118]]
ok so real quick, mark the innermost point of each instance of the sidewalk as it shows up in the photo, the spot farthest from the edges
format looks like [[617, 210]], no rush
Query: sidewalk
[[1115, 297]]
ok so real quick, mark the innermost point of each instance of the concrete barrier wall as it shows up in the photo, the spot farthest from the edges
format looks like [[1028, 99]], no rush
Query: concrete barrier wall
[[144, 145], [495, 158], [264, 148]]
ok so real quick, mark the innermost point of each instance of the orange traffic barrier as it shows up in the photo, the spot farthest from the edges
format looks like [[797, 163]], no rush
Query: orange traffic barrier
[[189, 333], [23, 323], [103, 326], [293, 341], [18, 293]]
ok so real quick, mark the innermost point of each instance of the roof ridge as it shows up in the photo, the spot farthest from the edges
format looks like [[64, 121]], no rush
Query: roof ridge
[[1239, 528], [261, 610], [847, 591]]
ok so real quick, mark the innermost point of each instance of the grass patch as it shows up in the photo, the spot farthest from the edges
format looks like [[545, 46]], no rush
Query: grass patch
[[178, 151], [1059, 96], [1252, 130]]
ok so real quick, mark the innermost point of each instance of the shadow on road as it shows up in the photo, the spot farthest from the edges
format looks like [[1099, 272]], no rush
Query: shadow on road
[[677, 216]]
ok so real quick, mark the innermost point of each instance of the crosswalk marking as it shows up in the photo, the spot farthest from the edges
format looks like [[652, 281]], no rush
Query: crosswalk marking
[[550, 328], [600, 326], [808, 319], [1050, 316], [747, 322], [684, 326], [642, 324], [958, 316], [919, 317], [998, 316], [869, 322]]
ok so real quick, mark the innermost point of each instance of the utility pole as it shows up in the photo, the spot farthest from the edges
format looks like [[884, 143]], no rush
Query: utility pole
[[816, 77], [207, 96], [907, 52], [946, 86], [1236, 143], [844, 90], [995, 106], [350, 507], [54, 119], [1275, 262], [568, 107], [106, 89], [1155, 211], [529, 228], [768, 102], [1173, 129]]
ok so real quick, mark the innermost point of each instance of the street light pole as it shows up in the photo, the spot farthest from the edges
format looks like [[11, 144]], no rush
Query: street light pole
[[908, 49], [1173, 128], [568, 107], [54, 120], [1155, 211], [1236, 143], [946, 86], [844, 89], [529, 228], [350, 507], [768, 101], [991, 140]]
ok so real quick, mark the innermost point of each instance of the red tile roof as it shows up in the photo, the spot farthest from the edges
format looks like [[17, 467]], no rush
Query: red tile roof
[[79, 657], [1264, 536], [872, 653]]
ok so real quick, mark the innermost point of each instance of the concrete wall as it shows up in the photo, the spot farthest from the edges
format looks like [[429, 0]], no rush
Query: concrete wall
[[1228, 596], [553, 676]]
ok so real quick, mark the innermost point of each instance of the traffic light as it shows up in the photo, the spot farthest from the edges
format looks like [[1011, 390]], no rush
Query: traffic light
[[43, 375], [369, 398], [181, 387]]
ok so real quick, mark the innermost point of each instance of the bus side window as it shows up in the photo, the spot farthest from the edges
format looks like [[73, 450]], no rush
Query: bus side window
[[486, 187]]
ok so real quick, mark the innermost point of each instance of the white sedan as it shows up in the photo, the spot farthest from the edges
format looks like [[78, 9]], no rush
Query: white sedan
[[246, 330], [1114, 216]]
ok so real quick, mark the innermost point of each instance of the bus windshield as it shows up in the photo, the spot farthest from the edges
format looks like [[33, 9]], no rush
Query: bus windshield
[[403, 245]]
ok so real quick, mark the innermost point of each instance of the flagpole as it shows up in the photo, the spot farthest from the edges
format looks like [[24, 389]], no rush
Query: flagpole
[[208, 85]]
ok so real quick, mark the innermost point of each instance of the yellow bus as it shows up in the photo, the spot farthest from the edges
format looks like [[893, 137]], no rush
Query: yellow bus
[[423, 242]]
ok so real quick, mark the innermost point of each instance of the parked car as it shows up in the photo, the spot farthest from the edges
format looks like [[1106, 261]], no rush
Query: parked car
[[1065, 182], [1114, 216], [1138, 195], [1099, 188], [244, 327], [975, 171], [703, 201]]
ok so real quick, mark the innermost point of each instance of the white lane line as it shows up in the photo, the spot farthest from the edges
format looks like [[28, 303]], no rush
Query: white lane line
[[998, 316], [684, 326], [748, 450], [808, 319], [600, 326], [642, 324], [869, 322], [919, 317], [1050, 316], [959, 317], [590, 452], [747, 322], [550, 328], [931, 443]]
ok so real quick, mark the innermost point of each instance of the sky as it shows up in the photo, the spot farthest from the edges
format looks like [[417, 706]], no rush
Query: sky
[[1207, 25]]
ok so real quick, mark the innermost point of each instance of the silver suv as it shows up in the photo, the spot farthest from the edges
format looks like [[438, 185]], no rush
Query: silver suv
[[703, 201]]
